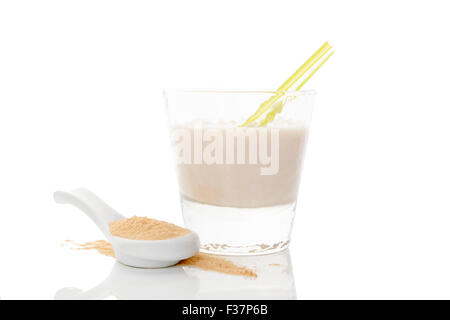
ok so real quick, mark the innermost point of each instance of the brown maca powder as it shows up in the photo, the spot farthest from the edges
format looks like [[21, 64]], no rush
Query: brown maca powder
[[143, 228], [102, 246], [208, 262], [199, 260]]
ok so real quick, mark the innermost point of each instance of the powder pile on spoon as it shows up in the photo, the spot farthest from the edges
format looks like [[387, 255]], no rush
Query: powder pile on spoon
[[143, 228]]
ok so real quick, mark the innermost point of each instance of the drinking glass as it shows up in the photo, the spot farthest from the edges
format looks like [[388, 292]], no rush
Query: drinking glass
[[238, 184]]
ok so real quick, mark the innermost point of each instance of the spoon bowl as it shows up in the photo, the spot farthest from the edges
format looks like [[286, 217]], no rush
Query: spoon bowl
[[134, 253]]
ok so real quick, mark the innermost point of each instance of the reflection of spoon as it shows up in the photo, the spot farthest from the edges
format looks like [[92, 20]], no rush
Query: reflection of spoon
[[135, 253], [275, 281], [137, 284]]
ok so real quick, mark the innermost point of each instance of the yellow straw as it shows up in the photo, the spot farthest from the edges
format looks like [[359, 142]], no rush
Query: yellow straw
[[278, 107], [314, 71], [290, 81]]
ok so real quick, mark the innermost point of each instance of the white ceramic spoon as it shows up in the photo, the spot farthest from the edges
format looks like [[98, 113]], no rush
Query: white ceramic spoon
[[134, 253]]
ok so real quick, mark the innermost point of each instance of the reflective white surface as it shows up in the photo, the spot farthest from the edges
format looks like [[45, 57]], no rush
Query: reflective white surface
[[275, 281], [373, 215]]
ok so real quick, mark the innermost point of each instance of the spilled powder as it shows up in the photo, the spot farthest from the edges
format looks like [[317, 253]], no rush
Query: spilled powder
[[208, 262], [143, 228], [199, 260], [101, 246]]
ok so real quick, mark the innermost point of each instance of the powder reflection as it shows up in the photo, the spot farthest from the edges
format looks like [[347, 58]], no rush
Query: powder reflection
[[275, 281]]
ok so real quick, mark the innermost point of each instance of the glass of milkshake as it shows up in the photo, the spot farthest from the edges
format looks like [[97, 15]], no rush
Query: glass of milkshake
[[238, 185]]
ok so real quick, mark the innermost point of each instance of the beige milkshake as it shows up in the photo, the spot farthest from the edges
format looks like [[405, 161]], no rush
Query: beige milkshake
[[240, 167]]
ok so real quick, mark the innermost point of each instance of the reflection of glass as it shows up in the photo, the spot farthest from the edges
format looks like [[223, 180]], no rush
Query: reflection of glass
[[238, 185], [274, 281]]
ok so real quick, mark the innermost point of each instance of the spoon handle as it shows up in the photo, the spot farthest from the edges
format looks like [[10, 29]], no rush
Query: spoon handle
[[91, 205]]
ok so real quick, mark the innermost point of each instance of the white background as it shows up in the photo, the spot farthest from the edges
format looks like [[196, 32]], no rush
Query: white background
[[81, 105]]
